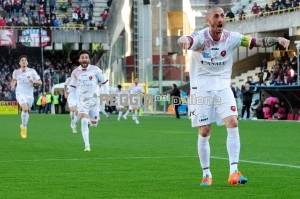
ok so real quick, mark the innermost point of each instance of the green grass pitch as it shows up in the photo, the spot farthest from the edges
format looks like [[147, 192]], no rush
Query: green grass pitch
[[155, 159]]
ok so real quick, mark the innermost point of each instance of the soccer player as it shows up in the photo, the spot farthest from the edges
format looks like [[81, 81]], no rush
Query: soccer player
[[25, 78], [119, 91], [138, 89], [84, 83], [71, 98], [102, 90], [210, 77]]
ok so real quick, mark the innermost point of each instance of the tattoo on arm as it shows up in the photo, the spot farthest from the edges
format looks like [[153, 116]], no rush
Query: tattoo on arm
[[269, 41]]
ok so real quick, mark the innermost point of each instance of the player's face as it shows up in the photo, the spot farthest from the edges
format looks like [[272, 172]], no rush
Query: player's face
[[23, 62], [216, 20], [136, 81], [84, 60]]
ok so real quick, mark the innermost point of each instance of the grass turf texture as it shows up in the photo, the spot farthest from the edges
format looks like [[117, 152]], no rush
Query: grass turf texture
[[155, 159]]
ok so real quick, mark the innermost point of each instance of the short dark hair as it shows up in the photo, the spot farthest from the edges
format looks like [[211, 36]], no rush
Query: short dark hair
[[119, 86], [22, 56], [83, 52]]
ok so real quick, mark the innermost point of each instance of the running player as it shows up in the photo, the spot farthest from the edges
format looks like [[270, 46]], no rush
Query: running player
[[25, 78]]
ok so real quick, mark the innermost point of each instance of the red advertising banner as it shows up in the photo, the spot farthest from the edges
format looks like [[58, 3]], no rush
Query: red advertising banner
[[31, 37], [7, 37]]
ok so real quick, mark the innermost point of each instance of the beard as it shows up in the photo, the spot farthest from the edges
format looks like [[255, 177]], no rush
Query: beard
[[84, 64]]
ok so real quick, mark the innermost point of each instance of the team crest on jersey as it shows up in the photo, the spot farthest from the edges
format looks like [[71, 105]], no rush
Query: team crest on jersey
[[233, 108], [90, 77], [223, 53]]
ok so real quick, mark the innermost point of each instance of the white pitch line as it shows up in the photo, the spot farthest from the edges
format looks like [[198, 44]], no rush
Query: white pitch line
[[154, 157], [263, 163]]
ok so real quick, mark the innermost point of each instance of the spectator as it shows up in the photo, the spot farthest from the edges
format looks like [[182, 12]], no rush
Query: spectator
[[8, 8], [70, 3], [267, 111], [176, 101], [100, 26], [75, 16], [56, 23], [255, 9], [79, 3], [9, 22], [251, 82], [103, 16], [62, 102], [52, 5], [242, 15], [63, 7], [282, 111], [258, 110], [32, 9], [65, 21], [267, 9], [230, 15], [2, 21], [108, 3], [247, 100], [24, 21], [56, 102], [91, 6]]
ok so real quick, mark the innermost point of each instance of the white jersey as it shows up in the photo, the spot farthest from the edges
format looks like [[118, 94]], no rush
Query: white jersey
[[136, 89], [119, 93], [102, 90], [85, 81], [24, 87], [211, 61]]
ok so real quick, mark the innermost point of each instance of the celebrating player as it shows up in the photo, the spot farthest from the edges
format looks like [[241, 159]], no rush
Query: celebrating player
[[25, 78], [84, 83], [102, 90], [137, 89], [210, 78], [119, 91], [71, 98]]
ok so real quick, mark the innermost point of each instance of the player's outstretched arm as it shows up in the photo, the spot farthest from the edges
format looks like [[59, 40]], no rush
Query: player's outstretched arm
[[271, 41]]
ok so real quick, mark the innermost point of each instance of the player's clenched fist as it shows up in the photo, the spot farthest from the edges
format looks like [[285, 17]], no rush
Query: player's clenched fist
[[184, 42]]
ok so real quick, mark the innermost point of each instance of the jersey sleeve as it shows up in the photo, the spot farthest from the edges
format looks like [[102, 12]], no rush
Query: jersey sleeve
[[197, 40], [73, 83], [237, 40], [35, 76], [101, 77]]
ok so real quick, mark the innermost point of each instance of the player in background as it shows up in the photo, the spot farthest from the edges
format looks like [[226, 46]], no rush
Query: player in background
[[84, 83], [135, 88], [25, 78], [102, 90], [210, 77], [119, 91], [71, 98]]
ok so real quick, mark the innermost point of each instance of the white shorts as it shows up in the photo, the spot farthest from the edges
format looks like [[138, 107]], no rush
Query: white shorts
[[93, 113], [25, 99], [206, 107], [71, 100], [119, 107]]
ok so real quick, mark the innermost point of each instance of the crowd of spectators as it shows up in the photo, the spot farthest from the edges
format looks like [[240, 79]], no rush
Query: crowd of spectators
[[37, 12], [277, 6], [283, 72]]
